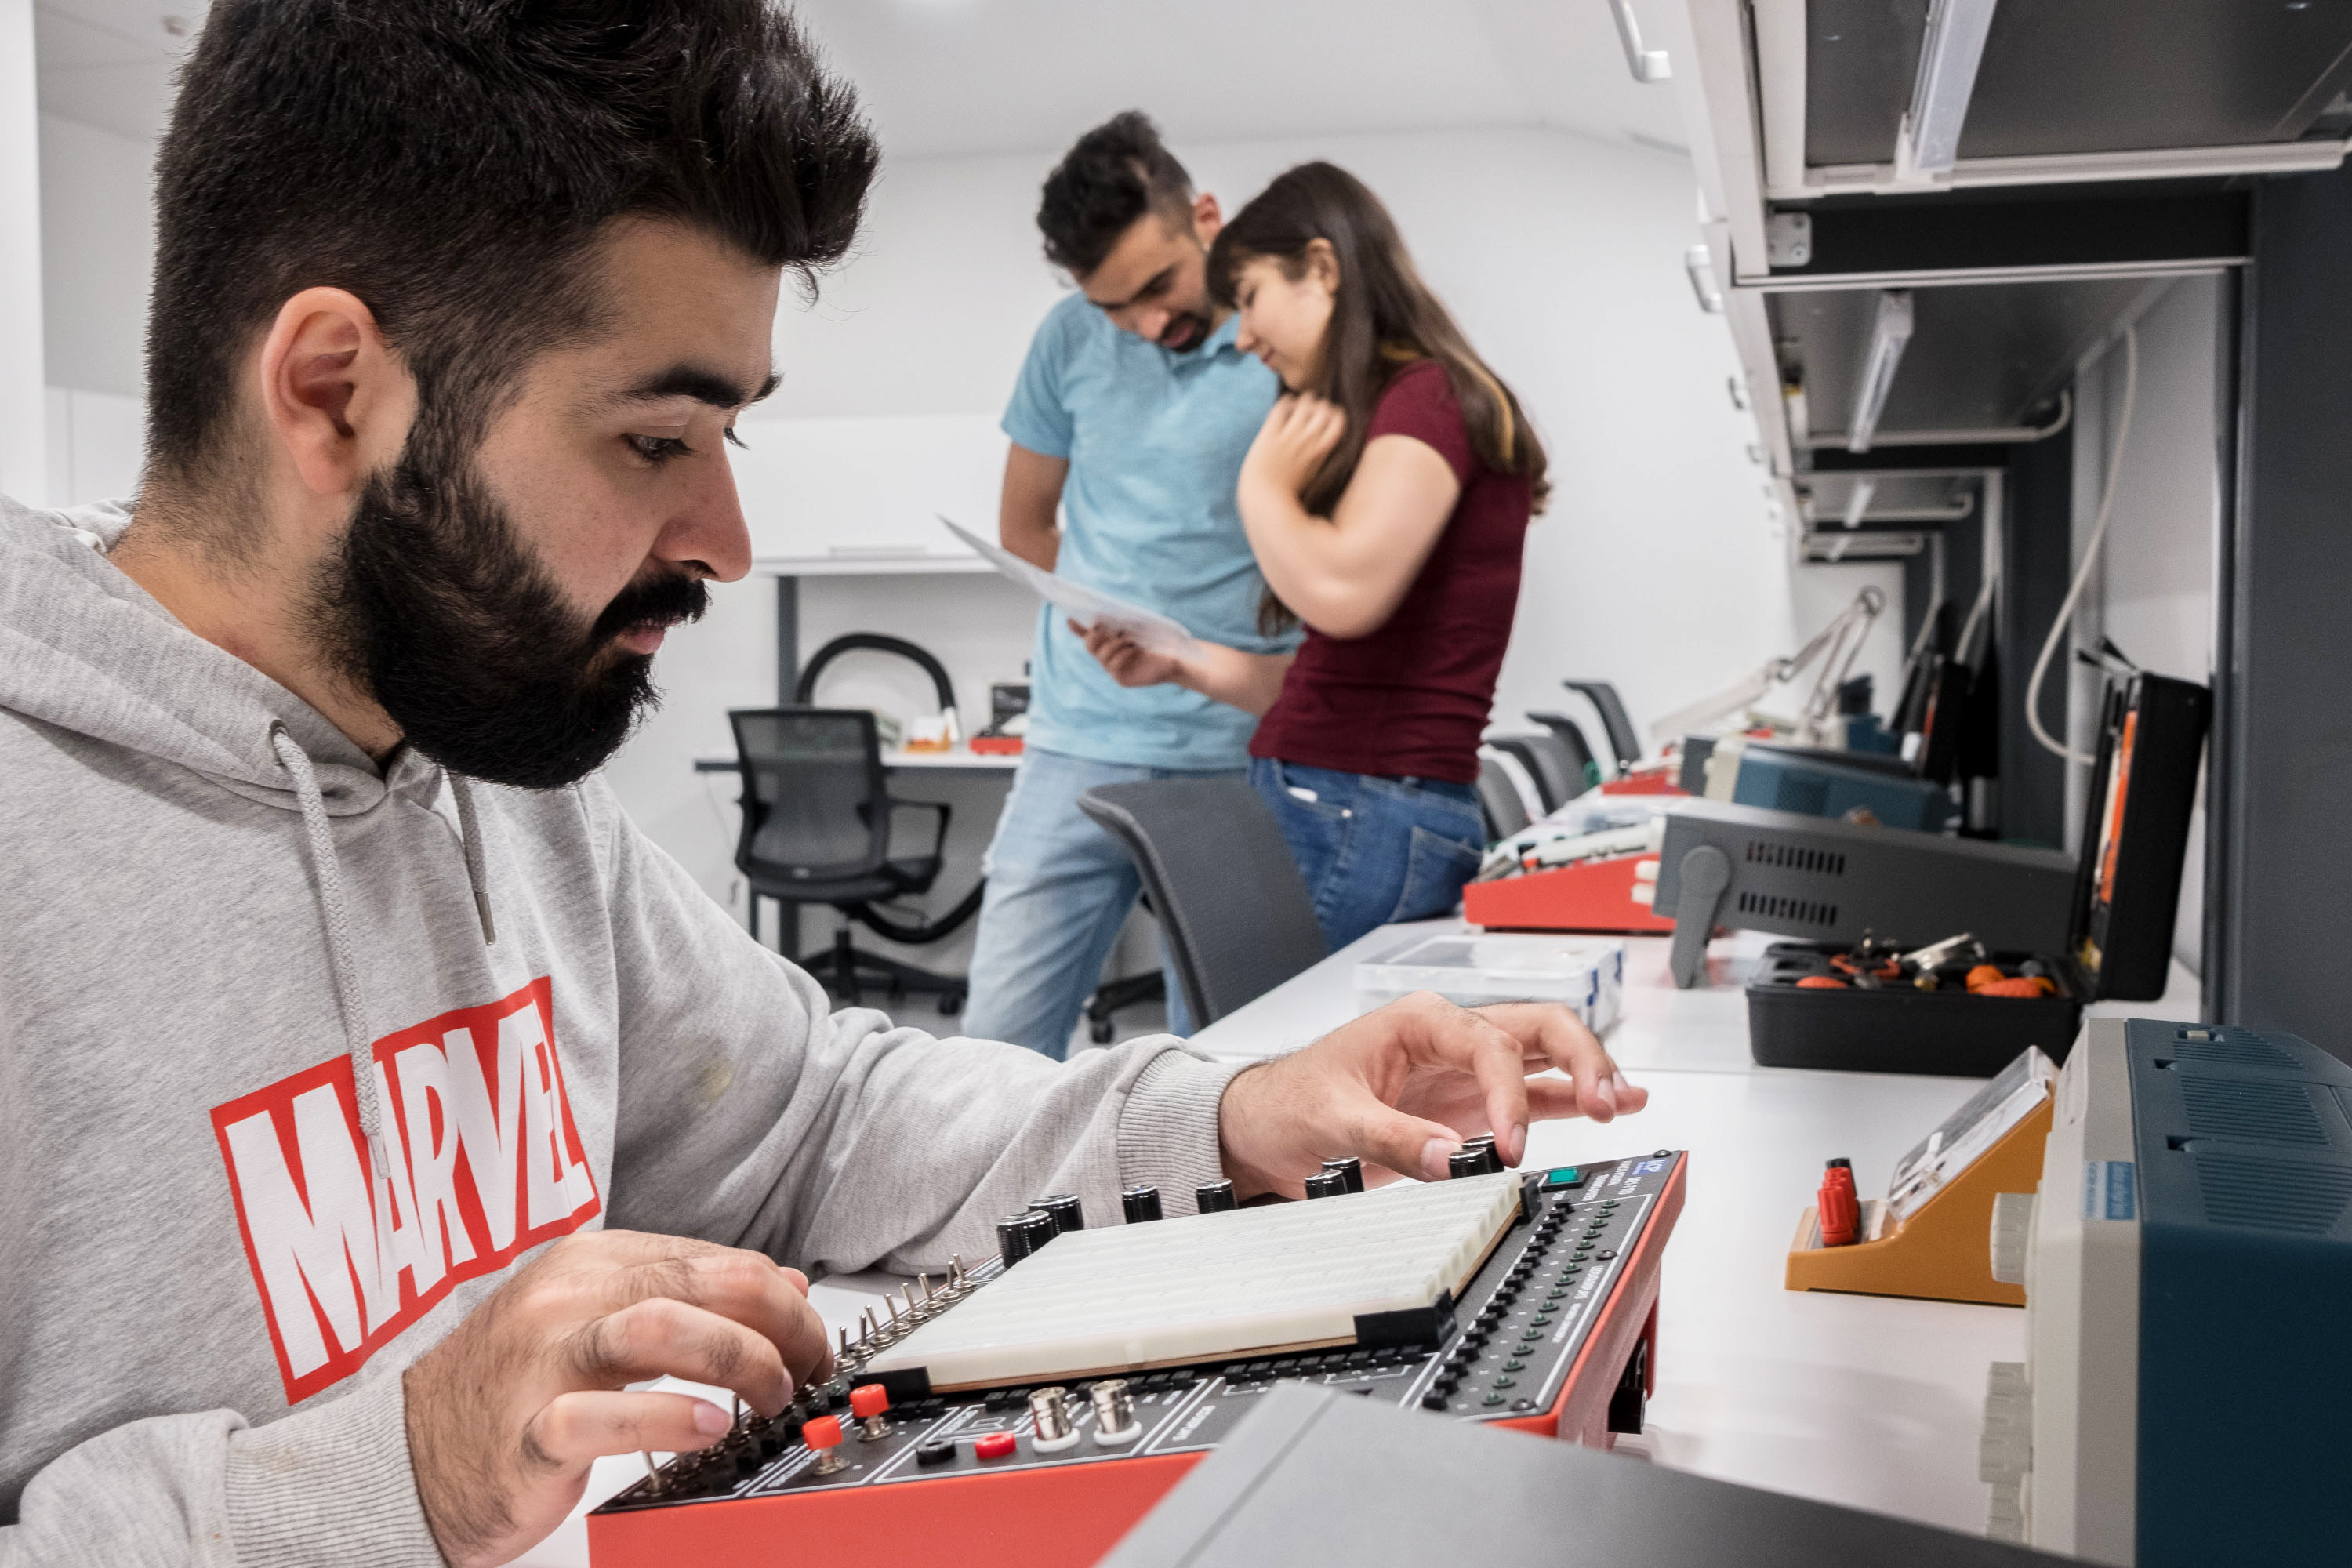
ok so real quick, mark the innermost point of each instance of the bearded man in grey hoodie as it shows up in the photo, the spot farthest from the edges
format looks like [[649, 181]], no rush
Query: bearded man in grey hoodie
[[375, 1103]]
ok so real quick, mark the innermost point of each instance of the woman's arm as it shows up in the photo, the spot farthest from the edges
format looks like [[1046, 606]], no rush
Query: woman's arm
[[1249, 681], [1345, 574]]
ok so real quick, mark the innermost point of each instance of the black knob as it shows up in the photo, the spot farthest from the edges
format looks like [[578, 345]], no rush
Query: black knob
[[1465, 1161], [1327, 1185], [1214, 1197], [1483, 1145], [1064, 1208], [1141, 1204], [1352, 1169], [1022, 1234]]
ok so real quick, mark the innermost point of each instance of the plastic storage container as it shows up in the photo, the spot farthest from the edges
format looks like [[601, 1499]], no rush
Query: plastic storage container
[[1899, 1028], [1474, 968]]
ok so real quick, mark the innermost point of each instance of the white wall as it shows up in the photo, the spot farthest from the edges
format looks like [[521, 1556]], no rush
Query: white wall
[[24, 380], [98, 248], [2153, 591]]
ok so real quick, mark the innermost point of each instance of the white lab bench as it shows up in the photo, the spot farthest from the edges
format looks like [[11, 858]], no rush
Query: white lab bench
[[1867, 1401]]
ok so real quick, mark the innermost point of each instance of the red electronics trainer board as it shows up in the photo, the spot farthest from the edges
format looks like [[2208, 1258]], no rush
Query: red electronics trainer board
[[1587, 895], [1553, 1334]]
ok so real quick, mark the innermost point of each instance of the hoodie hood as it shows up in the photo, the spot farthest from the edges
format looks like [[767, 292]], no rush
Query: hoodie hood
[[84, 648]]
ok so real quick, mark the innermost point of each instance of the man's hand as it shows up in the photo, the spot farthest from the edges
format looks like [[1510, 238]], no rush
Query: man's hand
[[506, 1414], [1299, 432], [1404, 1086]]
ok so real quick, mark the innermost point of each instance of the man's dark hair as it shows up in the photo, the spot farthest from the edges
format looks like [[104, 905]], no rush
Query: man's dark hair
[[451, 163], [1117, 172]]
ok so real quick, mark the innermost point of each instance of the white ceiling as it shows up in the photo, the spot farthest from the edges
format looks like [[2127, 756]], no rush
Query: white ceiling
[[948, 77]]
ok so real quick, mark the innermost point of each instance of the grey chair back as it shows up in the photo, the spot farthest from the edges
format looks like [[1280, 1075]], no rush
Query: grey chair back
[[1572, 735], [1230, 900], [1500, 800], [1558, 780]]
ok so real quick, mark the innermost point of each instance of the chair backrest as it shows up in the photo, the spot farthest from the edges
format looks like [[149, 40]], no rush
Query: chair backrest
[[1572, 735], [1230, 900], [1500, 800], [813, 794], [1623, 740], [1547, 762]]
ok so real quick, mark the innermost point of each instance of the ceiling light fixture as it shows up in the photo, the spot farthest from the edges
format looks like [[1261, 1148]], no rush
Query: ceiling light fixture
[[1890, 334], [1928, 143]]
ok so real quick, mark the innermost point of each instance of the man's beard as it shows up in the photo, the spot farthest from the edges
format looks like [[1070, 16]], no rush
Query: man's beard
[[435, 608]]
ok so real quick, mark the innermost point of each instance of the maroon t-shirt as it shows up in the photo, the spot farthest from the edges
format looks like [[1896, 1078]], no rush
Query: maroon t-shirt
[[1412, 699]]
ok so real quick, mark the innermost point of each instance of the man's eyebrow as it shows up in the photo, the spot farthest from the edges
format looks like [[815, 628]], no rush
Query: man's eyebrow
[[1158, 281], [703, 385]]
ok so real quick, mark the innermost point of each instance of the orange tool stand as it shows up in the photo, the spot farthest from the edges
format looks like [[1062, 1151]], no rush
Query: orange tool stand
[[1590, 895], [1943, 1252], [1069, 1516]]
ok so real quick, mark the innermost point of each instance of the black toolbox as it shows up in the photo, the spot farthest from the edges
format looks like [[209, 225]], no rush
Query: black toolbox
[[2128, 889], [1897, 1027]]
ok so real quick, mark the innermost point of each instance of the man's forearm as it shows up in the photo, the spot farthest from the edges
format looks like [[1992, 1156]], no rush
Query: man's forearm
[[1039, 546]]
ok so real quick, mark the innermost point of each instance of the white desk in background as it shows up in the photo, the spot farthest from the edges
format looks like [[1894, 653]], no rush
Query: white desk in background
[[956, 759]]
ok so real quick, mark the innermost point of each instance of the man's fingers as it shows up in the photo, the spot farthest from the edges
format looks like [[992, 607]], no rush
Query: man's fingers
[[1409, 1145], [1493, 1056], [745, 1287], [577, 1427], [1556, 1036], [667, 1337]]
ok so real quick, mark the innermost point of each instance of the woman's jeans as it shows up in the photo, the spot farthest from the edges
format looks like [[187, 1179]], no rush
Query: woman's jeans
[[1373, 849]]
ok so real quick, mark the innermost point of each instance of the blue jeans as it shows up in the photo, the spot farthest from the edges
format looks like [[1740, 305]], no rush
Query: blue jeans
[[1058, 890], [1373, 849]]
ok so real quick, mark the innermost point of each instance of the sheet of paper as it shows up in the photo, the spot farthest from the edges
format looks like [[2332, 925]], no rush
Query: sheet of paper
[[1088, 606]]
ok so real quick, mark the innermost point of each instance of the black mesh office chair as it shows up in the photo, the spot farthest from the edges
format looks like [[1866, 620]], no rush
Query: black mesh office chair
[[818, 819], [1572, 735], [1558, 780], [1500, 800], [1230, 900]]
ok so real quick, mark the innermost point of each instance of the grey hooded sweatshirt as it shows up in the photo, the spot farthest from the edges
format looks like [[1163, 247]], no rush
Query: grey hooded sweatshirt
[[301, 1058]]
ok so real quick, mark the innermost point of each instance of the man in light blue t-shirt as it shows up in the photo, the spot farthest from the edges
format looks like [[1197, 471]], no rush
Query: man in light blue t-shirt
[[1130, 420]]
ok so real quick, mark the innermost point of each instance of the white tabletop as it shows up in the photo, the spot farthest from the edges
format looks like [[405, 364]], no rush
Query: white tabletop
[[1867, 1401]]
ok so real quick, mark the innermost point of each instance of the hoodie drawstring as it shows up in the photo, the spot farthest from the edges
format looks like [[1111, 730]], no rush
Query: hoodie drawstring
[[351, 998], [476, 878]]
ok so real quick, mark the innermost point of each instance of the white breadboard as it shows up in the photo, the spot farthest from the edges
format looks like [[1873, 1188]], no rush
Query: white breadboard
[[1205, 1286]]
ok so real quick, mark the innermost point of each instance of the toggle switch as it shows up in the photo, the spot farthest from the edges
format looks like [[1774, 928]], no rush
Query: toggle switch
[[867, 1402], [823, 1436], [1049, 1413]]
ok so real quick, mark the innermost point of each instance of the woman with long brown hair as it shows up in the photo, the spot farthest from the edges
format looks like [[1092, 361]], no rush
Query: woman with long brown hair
[[1387, 498]]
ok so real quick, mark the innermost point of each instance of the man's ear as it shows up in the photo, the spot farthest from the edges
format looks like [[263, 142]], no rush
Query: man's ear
[[1207, 220], [338, 401]]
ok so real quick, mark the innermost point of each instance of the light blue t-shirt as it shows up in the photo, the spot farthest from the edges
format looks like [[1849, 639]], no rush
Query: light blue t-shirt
[[1155, 441]]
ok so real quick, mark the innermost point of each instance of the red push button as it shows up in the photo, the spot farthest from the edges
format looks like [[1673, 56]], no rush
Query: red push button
[[868, 1400], [824, 1432], [994, 1446]]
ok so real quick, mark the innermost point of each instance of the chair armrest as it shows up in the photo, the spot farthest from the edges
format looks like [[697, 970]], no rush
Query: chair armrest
[[940, 826]]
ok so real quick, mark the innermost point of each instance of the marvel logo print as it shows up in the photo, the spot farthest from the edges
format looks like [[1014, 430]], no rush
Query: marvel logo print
[[484, 1162]]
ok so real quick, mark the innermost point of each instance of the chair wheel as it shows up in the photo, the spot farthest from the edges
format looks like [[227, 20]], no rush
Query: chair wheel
[[951, 1004], [1101, 1030]]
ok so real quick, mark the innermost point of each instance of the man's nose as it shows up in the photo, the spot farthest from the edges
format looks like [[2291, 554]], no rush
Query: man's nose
[[709, 530]]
